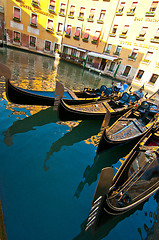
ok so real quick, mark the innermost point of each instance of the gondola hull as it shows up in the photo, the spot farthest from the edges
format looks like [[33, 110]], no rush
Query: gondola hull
[[47, 98], [131, 126], [136, 180], [71, 110]]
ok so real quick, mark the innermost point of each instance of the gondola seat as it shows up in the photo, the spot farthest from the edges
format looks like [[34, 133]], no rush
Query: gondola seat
[[124, 98], [108, 91], [102, 89], [144, 107], [131, 100], [153, 109]]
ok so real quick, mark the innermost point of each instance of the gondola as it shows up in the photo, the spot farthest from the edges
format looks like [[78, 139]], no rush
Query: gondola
[[135, 181], [31, 97], [117, 105], [132, 125]]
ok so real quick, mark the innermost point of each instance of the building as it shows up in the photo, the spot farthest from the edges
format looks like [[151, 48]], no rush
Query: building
[[1, 22], [116, 38]]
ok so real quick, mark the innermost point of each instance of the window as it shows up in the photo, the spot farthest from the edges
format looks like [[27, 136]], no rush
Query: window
[[72, 11], [86, 35], [77, 33], [91, 15], [32, 41], [124, 31], [142, 33], [153, 79], [52, 6], [33, 20], [35, 3], [47, 45], [121, 8], [65, 49], [148, 57], [16, 14], [81, 12], [102, 15], [157, 35], [96, 36], [62, 9], [118, 50], [114, 30], [112, 65], [73, 52], [56, 47], [153, 6], [68, 31], [133, 54], [60, 28], [132, 8], [139, 74], [126, 71], [50, 25], [108, 48], [16, 37]]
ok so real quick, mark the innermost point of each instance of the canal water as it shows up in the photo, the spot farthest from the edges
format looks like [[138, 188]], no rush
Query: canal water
[[49, 169]]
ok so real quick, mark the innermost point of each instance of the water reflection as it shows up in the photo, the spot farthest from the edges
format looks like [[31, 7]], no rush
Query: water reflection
[[41, 118], [83, 130], [105, 159]]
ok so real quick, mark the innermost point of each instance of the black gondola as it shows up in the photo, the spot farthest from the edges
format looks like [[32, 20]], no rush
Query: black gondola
[[135, 181], [117, 105], [132, 125], [31, 97]]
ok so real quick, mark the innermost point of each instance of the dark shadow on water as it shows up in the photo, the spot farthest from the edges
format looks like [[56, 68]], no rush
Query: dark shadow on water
[[41, 118], [82, 131], [105, 159]]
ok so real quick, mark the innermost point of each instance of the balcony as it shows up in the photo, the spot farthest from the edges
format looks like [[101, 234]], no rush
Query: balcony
[[71, 16], [35, 4], [94, 42], [146, 61], [59, 33], [154, 40], [139, 38], [116, 53], [130, 13], [76, 38], [122, 35], [119, 13], [100, 21], [33, 25], [112, 34], [90, 20], [150, 14], [61, 14], [133, 58], [16, 19], [67, 35], [85, 39], [81, 18], [49, 30]]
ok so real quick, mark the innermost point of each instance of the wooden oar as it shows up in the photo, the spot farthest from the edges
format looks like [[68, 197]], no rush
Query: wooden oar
[[106, 120], [104, 183], [5, 71], [59, 92]]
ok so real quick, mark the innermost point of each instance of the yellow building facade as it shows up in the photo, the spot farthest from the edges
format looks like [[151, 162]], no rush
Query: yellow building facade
[[113, 37]]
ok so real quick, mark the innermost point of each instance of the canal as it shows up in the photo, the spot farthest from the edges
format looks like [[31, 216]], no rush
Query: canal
[[49, 169]]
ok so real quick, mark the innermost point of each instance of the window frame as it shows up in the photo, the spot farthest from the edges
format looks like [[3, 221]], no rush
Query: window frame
[[30, 41], [32, 24], [45, 45], [14, 18]]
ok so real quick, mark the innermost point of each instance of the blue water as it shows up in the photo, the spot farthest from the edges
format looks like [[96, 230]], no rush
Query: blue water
[[49, 169]]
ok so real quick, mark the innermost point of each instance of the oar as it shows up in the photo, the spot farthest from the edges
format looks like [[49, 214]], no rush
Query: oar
[[106, 120], [59, 92], [5, 71], [104, 183]]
